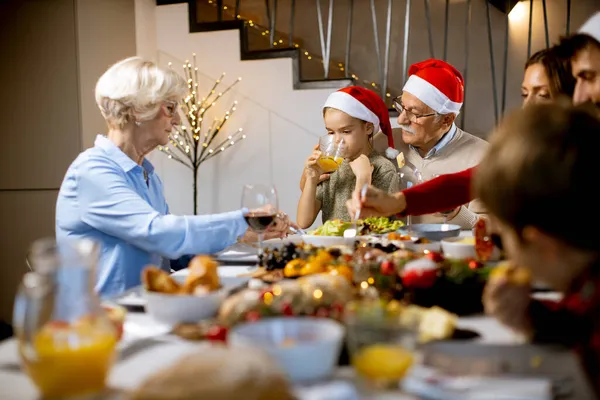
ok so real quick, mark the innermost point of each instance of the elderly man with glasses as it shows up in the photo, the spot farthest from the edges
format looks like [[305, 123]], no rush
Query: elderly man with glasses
[[430, 141]]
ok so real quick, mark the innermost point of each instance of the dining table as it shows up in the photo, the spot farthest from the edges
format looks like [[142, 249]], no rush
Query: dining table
[[148, 346]]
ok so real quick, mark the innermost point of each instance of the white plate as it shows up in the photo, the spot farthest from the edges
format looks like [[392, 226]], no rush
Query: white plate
[[238, 252], [328, 241]]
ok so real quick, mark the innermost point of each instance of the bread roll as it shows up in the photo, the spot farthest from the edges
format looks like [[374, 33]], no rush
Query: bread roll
[[218, 373], [202, 273]]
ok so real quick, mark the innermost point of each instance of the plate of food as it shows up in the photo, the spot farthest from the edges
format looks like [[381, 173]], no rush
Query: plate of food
[[331, 233]]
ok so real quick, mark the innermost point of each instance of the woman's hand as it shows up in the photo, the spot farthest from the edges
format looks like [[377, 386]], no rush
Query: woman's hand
[[280, 228], [361, 166], [509, 303], [376, 203]]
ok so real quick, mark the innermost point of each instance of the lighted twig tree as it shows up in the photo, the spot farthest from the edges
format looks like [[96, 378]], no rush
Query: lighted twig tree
[[189, 145]]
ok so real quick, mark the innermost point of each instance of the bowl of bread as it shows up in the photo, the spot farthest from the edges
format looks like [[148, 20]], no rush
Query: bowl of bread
[[197, 296]]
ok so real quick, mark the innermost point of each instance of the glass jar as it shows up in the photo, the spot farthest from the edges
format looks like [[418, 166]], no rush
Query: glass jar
[[66, 339]]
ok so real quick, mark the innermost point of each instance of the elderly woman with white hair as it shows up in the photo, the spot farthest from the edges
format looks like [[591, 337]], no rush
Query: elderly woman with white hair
[[110, 193]]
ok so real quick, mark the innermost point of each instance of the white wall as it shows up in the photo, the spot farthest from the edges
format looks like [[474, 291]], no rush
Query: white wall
[[282, 125]]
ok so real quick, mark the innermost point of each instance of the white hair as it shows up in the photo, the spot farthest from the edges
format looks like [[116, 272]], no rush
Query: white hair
[[133, 89]]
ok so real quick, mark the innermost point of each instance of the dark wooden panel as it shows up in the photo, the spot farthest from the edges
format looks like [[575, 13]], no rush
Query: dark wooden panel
[[39, 100], [26, 216]]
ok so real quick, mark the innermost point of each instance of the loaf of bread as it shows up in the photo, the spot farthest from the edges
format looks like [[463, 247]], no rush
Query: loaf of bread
[[218, 373]]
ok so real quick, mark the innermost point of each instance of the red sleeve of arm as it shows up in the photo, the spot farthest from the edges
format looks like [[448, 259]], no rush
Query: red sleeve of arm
[[442, 193]]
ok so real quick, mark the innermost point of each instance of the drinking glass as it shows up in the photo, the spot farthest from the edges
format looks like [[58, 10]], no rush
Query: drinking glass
[[381, 341], [331, 153], [260, 203], [408, 178]]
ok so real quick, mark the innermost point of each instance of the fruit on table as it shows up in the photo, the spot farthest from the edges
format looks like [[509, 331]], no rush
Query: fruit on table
[[294, 268], [312, 267], [420, 273], [217, 333], [342, 270], [382, 361], [514, 275]]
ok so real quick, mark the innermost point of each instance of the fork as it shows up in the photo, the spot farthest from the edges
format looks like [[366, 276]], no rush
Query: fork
[[351, 232]]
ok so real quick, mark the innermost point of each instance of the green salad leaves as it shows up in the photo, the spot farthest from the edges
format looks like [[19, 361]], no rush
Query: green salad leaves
[[367, 226]]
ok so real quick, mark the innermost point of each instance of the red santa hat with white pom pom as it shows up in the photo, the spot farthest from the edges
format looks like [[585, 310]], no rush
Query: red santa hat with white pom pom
[[366, 105], [437, 84]]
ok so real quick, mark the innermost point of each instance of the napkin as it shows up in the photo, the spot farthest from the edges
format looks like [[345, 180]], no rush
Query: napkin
[[430, 384]]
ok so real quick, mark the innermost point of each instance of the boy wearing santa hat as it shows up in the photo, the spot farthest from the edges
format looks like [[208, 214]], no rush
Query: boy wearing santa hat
[[429, 139], [352, 115]]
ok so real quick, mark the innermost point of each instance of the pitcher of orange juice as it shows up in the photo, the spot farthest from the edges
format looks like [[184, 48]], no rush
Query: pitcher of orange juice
[[331, 153], [66, 340]]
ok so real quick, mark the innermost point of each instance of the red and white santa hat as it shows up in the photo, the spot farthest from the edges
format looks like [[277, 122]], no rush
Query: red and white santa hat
[[437, 84], [591, 27], [366, 105]]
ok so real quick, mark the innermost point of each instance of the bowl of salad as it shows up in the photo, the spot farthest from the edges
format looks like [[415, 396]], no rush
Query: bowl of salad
[[331, 233]]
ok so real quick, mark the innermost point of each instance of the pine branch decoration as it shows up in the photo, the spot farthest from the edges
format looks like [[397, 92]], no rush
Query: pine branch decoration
[[189, 144]]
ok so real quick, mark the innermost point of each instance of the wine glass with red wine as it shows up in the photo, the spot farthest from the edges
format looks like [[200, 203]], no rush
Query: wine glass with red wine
[[260, 203]]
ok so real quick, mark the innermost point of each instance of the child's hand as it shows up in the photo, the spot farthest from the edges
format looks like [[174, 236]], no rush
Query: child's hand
[[313, 171], [509, 303], [361, 166]]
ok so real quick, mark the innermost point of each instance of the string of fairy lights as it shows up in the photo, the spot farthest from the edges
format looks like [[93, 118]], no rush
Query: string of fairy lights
[[280, 42]]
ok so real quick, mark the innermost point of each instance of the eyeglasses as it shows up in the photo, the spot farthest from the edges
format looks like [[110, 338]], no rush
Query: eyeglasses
[[412, 117], [171, 107]]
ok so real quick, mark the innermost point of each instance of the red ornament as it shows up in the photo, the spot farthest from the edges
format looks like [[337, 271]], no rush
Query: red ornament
[[217, 333], [419, 278], [286, 309], [253, 316], [337, 307], [322, 312], [388, 268], [435, 256]]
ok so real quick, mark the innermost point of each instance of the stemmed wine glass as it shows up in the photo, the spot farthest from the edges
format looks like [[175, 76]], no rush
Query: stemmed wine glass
[[260, 210], [408, 178]]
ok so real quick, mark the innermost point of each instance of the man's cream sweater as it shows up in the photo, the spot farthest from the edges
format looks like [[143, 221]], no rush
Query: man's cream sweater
[[462, 152]]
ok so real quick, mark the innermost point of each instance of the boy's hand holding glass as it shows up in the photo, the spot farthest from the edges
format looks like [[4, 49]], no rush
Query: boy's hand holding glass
[[313, 169]]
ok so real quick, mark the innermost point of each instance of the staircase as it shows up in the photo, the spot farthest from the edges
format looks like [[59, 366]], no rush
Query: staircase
[[207, 15]]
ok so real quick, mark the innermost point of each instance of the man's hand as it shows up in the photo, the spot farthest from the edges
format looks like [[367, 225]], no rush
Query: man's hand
[[376, 203], [509, 304], [449, 214]]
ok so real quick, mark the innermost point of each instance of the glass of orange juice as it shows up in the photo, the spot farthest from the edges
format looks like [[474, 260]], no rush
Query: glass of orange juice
[[381, 342], [66, 339], [331, 153]]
